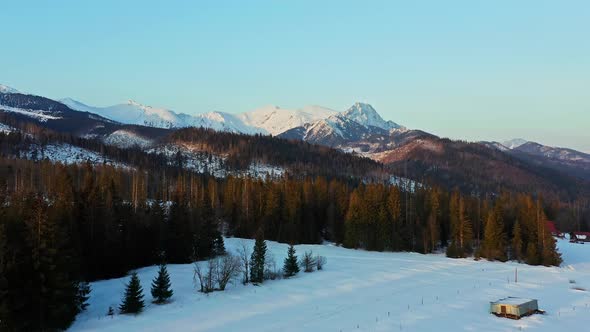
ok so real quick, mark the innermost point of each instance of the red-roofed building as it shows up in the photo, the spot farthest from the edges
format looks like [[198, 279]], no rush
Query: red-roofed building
[[551, 227]]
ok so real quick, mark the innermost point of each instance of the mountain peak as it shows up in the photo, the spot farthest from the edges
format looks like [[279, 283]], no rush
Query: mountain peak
[[366, 115], [514, 143], [7, 89], [134, 103]]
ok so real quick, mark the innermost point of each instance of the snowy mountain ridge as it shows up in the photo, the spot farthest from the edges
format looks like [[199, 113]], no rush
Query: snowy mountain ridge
[[514, 143], [7, 89], [270, 119], [275, 120]]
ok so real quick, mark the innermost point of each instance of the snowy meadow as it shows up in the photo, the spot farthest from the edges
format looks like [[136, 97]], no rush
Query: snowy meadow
[[359, 291]]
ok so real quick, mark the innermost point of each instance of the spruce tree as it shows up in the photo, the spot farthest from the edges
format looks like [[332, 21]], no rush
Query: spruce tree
[[83, 295], [133, 300], [218, 245], [257, 259], [291, 267], [549, 254], [161, 291]]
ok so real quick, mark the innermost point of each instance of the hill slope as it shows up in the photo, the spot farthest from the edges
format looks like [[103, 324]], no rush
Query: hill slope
[[360, 291]]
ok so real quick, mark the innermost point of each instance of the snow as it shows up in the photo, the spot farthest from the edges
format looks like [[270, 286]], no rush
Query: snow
[[275, 120], [361, 291], [130, 112], [40, 115], [67, 154], [5, 129], [126, 139], [7, 89], [200, 162], [271, 119], [136, 113], [366, 115], [514, 143], [512, 300], [221, 121]]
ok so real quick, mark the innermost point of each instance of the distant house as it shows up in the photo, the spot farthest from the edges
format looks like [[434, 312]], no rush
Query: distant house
[[514, 307], [580, 237], [553, 229]]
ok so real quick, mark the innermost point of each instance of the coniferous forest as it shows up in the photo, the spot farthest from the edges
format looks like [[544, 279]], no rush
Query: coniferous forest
[[62, 226]]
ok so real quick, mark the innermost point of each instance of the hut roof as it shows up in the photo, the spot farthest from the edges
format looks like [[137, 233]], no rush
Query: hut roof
[[512, 300]]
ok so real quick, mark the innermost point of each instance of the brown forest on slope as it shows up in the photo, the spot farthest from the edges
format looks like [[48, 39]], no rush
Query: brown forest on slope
[[477, 169]]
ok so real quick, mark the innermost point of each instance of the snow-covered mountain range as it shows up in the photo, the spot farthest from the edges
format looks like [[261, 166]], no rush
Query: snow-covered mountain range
[[360, 122], [266, 120], [275, 120], [314, 124], [519, 145], [359, 129], [318, 124], [135, 113]]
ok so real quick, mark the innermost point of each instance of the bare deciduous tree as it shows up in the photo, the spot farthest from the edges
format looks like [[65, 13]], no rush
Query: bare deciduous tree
[[271, 272], [244, 257], [218, 272], [205, 276], [227, 268], [320, 261]]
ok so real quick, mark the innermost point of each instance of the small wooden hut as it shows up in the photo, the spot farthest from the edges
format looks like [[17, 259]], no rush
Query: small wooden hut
[[514, 307]]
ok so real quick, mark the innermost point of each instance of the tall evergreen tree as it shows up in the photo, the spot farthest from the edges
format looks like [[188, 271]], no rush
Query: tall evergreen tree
[[258, 258], [516, 250], [291, 266], [494, 246], [18, 295], [133, 299], [218, 245], [161, 291]]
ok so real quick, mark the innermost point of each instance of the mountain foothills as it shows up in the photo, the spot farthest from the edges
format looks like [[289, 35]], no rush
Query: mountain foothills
[[89, 193]]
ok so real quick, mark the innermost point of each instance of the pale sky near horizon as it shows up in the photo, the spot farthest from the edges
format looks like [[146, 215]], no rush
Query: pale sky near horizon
[[471, 69]]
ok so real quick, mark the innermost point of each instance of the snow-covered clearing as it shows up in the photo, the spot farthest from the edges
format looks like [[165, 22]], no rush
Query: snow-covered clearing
[[5, 129], [67, 154], [202, 162], [40, 115], [361, 291]]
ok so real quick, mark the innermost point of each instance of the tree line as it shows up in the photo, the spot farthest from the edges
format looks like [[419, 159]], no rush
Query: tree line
[[61, 226]]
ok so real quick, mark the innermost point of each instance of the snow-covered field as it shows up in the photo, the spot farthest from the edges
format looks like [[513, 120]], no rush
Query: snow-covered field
[[361, 291]]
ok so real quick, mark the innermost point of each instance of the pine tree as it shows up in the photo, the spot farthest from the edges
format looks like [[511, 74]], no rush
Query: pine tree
[[17, 277], [133, 300], [516, 242], [161, 291], [291, 267], [218, 245], [257, 259], [549, 254], [83, 295]]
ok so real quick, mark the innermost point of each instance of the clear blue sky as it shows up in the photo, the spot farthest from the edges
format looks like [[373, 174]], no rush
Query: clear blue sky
[[462, 69]]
